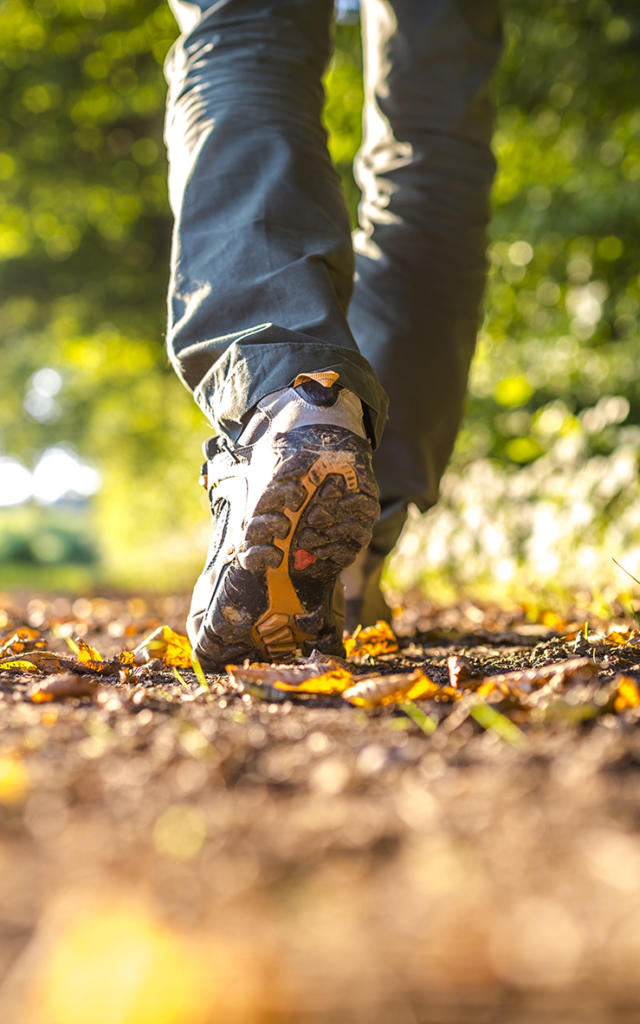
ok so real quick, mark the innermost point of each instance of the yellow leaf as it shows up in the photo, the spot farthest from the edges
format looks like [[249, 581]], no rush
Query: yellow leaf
[[336, 681], [270, 682], [377, 691], [171, 647], [87, 654], [629, 636], [37, 661], [21, 640], [628, 695], [40, 696], [372, 640], [554, 621]]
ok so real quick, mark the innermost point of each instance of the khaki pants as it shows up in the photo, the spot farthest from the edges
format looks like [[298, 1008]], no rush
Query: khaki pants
[[267, 281]]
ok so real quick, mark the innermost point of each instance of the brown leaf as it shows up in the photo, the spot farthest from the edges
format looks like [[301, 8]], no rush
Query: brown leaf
[[561, 673], [372, 641], [460, 670], [67, 684]]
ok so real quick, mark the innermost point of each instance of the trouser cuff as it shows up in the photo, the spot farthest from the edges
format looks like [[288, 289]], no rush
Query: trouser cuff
[[251, 369]]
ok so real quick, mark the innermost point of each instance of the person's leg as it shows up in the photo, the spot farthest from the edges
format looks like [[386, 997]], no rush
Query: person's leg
[[262, 274], [425, 169], [262, 265]]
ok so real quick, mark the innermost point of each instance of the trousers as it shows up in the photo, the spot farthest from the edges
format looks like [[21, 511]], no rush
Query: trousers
[[267, 279]]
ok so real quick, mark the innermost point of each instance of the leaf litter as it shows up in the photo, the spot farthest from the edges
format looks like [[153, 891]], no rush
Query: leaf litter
[[426, 790], [320, 677]]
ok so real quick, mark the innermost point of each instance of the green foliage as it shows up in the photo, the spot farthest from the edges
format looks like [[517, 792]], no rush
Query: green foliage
[[38, 537], [564, 289], [85, 234], [84, 244]]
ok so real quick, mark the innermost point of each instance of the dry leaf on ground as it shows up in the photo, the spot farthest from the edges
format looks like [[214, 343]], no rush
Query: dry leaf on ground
[[560, 673], [460, 670], [628, 695], [626, 638], [88, 656], [38, 661], [376, 691], [372, 641], [273, 682], [68, 684], [172, 648], [24, 639]]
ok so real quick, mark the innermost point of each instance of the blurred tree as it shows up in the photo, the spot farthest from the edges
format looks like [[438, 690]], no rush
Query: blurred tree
[[84, 245], [565, 253], [85, 228]]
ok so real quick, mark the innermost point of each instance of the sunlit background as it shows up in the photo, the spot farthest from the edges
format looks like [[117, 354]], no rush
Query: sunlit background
[[99, 443]]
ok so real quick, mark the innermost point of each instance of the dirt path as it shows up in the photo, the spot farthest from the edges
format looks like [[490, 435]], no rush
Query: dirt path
[[171, 854]]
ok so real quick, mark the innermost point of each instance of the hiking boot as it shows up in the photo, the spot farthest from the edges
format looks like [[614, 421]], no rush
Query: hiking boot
[[293, 501]]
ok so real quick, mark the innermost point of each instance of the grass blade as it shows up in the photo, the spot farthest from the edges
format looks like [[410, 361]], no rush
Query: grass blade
[[428, 723], [489, 718]]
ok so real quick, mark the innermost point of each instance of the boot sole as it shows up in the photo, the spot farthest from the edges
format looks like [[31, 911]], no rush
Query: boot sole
[[274, 599]]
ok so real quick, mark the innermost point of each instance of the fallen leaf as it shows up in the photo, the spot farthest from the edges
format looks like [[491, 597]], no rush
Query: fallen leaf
[[460, 670], [271, 682], [87, 656], [628, 695], [38, 661], [627, 638], [336, 681], [172, 648], [554, 621], [560, 673], [376, 691], [372, 641], [126, 663], [68, 684], [23, 639], [320, 658]]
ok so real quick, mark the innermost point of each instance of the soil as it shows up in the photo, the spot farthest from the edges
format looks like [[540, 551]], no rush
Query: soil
[[175, 854]]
